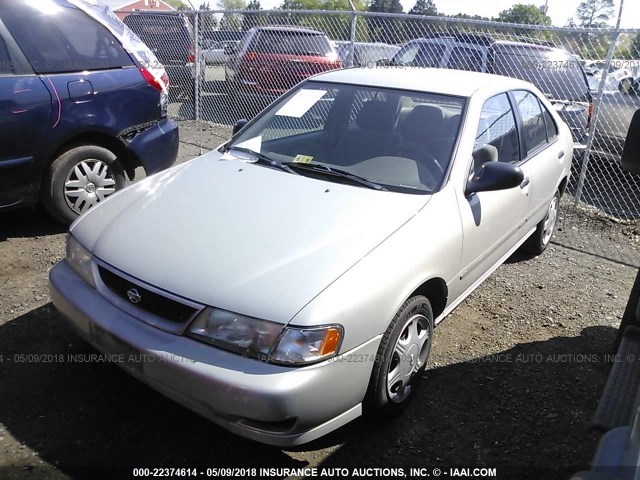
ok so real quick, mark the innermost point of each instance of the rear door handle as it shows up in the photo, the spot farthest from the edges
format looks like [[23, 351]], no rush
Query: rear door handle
[[561, 154], [525, 183]]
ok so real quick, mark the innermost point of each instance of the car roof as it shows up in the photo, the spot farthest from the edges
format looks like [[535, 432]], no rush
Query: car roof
[[431, 80], [286, 28]]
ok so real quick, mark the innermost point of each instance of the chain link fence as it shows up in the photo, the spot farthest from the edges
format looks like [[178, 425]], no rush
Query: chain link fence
[[221, 69]]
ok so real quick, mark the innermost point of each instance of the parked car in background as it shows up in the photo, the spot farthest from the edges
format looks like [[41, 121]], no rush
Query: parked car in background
[[554, 71], [270, 60], [619, 75], [83, 103], [211, 36], [171, 37], [217, 53], [365, 54], [340, 226]]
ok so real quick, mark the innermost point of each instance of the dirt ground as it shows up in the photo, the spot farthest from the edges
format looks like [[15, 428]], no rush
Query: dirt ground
[[513, 381]]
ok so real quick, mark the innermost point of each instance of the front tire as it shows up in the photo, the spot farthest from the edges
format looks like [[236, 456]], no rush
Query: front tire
[[402, 357], [540, 239], [79, 179]]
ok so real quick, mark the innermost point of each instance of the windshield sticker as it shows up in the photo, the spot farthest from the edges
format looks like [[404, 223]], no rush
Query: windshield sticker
[[254, 144], [302, 159], [300, 103]]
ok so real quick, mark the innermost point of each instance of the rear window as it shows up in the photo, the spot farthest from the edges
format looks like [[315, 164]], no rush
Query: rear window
[[157, 25], [62, 40], [555, 72], [291, 43]]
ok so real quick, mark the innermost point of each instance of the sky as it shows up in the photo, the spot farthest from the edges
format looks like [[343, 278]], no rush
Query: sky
[[559, 10]]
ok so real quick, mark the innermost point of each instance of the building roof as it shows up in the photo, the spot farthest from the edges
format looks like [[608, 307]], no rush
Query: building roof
[[433, 80]]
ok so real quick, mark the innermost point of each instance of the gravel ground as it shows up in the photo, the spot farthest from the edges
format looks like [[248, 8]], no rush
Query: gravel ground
[[513, 381]]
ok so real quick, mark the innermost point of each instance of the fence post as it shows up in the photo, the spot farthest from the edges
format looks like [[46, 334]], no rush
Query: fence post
[[594, 118], [352, 34], [198, 66]]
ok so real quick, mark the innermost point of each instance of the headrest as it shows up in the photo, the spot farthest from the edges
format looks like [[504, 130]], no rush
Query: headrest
[[375, 115], [423, 120]]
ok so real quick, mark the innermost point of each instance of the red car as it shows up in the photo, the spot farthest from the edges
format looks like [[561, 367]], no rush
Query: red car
[[270, 60]]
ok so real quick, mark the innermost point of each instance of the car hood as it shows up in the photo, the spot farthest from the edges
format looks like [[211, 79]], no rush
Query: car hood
[[242, 237]]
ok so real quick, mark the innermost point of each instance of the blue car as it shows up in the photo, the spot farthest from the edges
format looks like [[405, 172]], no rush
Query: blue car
[[83, 104]]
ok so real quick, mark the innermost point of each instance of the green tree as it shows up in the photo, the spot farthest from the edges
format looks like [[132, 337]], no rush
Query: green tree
[[177, 4], [424, 7], [594, 13], [470, 17], [251, 20], [524, 14], [231, 21], [208, 21]]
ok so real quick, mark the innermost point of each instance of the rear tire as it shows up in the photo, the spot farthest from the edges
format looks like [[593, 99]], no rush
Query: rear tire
[[402, 357], [540, 239], [80, 178]]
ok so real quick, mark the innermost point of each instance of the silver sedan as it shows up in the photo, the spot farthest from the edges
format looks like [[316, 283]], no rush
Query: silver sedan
[[291, 279]]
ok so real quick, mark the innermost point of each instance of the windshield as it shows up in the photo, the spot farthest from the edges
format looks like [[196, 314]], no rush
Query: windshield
[[401, 140]]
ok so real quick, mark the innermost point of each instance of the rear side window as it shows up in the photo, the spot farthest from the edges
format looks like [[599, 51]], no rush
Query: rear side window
[[291, 43], [552, 128], [421, 54], [497, 137], [5, 61], [533, 125], [62, 40], [463, 58]]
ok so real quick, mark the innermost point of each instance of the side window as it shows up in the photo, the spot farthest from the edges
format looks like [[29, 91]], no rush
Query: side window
[[552, 128], [66, 42], [533, 126], [497, 136], [6, 67], [421, 54], [463, 58]]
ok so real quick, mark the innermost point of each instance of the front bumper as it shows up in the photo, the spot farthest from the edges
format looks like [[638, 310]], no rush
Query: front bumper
[[272, 404], [157, 146]]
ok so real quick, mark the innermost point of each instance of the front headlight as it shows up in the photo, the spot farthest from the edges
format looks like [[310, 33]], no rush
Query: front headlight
[[299, 346], [264, 340], [244, 335], [79, 259]]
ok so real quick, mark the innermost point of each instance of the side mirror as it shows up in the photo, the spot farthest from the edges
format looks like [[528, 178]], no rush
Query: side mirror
[[631, 151], [495, 176], [239, 125]]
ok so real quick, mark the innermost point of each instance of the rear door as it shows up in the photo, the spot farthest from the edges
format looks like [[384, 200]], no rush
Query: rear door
[[25, 111], [543, 155]]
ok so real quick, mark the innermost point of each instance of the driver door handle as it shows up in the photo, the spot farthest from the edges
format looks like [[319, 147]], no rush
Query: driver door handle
[[525, 182]]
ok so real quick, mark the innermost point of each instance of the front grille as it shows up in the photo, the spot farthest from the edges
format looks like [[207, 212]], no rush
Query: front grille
[[149, 301]]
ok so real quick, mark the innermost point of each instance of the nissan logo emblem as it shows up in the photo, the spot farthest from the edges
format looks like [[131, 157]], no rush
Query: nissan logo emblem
[[134, 296]]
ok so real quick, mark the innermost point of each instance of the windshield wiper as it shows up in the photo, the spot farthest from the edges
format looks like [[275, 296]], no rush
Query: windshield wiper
[[317, 167], [262, 158]]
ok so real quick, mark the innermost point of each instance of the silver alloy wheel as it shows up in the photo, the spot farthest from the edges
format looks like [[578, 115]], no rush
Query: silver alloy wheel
[[550, 221], [88, 183], [409, 355]]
